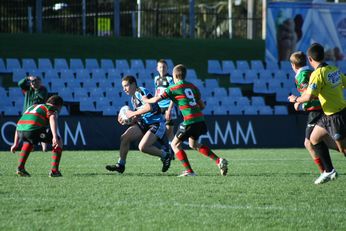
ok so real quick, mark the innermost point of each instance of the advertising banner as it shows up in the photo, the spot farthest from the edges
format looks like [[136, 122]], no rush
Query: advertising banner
[[295, 26], [103, 133]]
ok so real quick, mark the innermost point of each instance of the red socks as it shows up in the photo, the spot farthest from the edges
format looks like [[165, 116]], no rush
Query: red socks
[[181, 155], [24, 154], [205, 150], [56, 156]]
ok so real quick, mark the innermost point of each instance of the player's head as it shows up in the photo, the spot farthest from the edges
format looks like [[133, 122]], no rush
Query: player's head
[[56, 101], [162, 67], [298, 60], [179, 72], [316, 52], [35, 81], [129, 84]]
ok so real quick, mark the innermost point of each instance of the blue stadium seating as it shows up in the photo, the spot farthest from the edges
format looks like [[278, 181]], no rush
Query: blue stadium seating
[[242, 65], [122, 65], [76, 64], [12, 64], [60, 63], [214, 67], [107, 64], [280, 110], [2, 66], [227, 66], [44, 64], [91, 64], [256, 65], [29, 64]]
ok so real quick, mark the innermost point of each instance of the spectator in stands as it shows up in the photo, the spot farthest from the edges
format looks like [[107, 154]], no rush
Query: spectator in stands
[[147, 128], [188, 98], [32, 128], [327, 83], [299, 65], [162, 82], [34, 93]]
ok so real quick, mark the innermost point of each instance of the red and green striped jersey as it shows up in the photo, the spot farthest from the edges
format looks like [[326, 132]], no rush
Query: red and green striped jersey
[[186, 95], [36, 117], [302, 82]]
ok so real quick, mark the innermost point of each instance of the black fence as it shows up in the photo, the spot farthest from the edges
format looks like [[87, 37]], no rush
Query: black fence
[[98, 18]]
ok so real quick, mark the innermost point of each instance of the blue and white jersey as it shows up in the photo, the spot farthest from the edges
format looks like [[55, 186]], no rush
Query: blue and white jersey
[[161, 84], [154, 116]]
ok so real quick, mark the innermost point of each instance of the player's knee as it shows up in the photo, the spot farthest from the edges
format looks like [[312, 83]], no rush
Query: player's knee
[[307, 144], [141, 147]]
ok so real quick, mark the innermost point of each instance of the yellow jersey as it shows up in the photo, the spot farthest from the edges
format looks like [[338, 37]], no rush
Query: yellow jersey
[[327, 83]]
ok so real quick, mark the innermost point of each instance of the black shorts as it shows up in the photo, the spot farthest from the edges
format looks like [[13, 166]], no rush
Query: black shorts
[[36, 136], [191, 131], [313, 118], [157, 129], [335, 124]]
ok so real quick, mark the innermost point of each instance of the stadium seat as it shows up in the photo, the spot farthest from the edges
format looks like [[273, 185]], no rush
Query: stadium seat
[[150, 65], [96, 93], [212, 101], [237, 76], [250, 75], [256, 65], [107, 64], [137, 65], [114, 74], [86, 104], [98, 74], [122, 65], [91, 64], [227, 66], [12, 64], [29, 64], [250, 111], [214, 67], [170, 65], [60, 63], [265, 110], [12, 111], [273, 66], [83, 74], [228, 101], [15, 92], [35, 72], [260, 86], [274, 85], [280, 110], [57, 85], [220, 92], [243, 101], [191, 75], [89, 84], [102, 103], [66, 74], [217, 110], [211, 83], [80, 94], [282, 94], [265, 75], [73, 83], [235, 110], [18, 74], [242, 65], [51, 74], [3, 93], [342, 65], [234, 92], [105, 83], [44, 64], [76, 64], [66, 93], [285, 65], [257, 101]]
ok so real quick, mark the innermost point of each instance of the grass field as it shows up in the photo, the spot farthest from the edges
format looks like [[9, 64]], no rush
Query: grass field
[[267, 189]]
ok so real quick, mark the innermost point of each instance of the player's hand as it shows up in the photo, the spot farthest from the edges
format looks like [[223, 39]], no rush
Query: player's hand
[[130, 114], [296, 106], [14, 148], [292, 98]]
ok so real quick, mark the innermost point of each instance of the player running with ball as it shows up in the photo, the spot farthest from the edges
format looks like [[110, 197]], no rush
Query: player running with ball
[[188, 98]]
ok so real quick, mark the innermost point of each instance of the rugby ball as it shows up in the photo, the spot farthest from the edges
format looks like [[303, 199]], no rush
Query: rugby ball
[[122, 114]]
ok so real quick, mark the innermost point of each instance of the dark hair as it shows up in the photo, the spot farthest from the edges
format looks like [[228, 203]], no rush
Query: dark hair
[[55, 100], [180, 71], [130, 79], [162, 61], [298, 58], [316, 52]]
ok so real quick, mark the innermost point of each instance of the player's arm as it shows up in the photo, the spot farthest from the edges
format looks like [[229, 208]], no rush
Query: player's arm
[[24, 83], [15, 142], [53, 122], [201, 104], [169, 109], [146, 108], [154, 99]]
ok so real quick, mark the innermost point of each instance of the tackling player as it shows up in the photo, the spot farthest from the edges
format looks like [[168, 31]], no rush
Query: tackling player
[[188, 98], [148, 127], [39, 123], [299, 65], [327, 83]]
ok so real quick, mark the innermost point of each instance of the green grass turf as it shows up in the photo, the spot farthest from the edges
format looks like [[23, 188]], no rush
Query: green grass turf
[[267, 189]]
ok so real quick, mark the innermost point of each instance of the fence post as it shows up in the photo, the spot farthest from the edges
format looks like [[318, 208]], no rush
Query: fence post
[[30, 25], [116, 18], [139, 18], [192, 18], [84, 17], [230, 19], [250, 18], [38, 16]]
